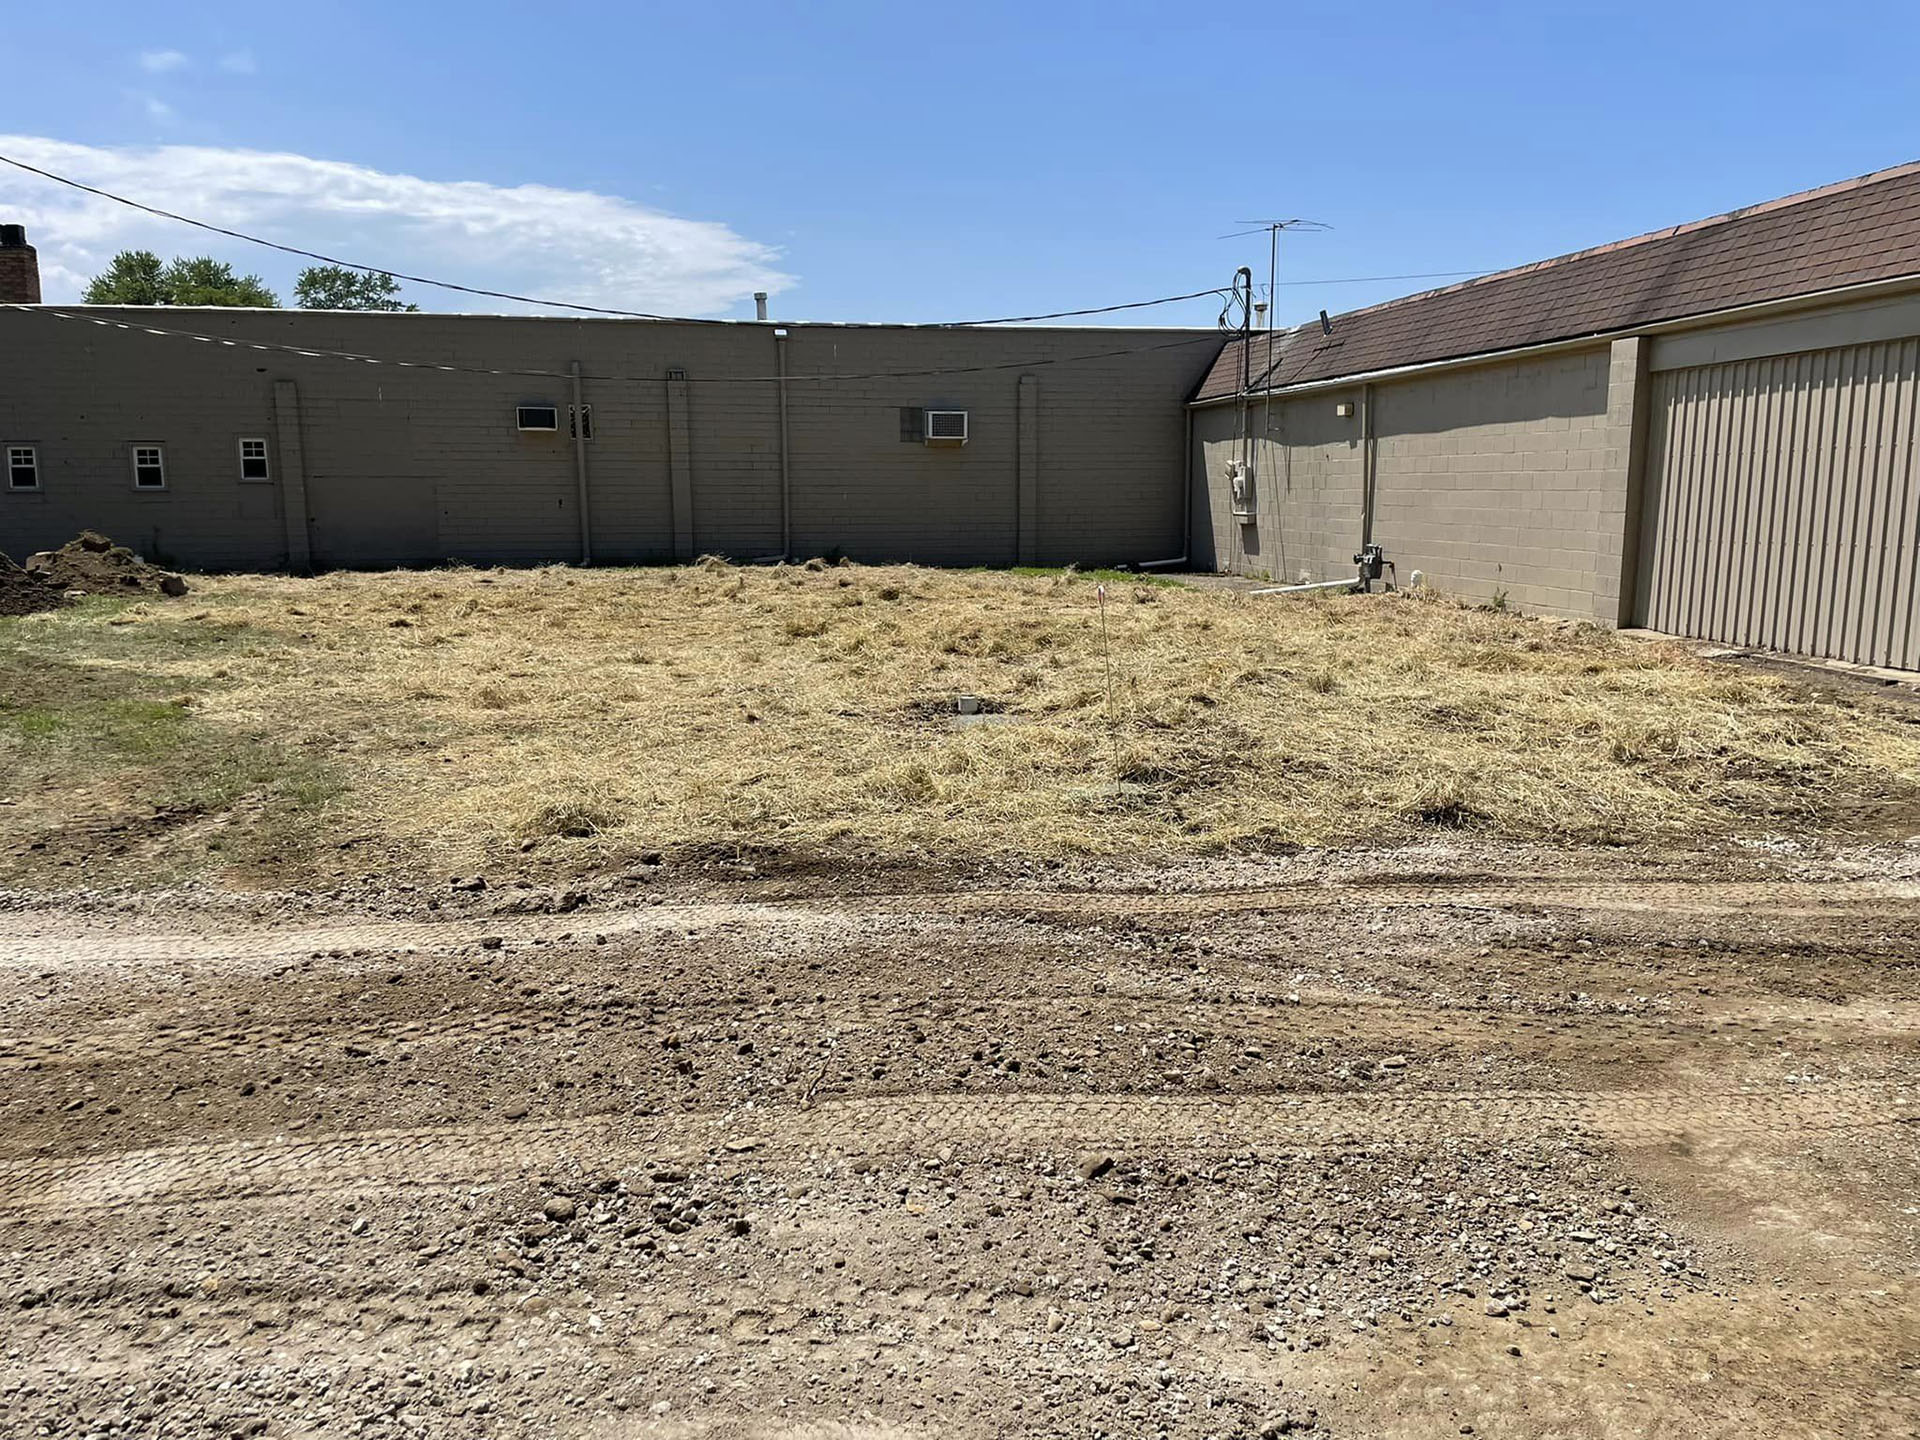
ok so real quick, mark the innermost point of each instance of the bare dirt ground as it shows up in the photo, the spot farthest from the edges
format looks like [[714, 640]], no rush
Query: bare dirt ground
[[1460, 1138]]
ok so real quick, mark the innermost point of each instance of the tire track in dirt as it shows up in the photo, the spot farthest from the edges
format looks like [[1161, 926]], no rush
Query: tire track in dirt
[[1680, 897], [24, 948], [1371, 1019], [990, 1124]]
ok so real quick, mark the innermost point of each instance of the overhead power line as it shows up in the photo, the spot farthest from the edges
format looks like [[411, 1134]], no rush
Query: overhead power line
[[1416, 275], [312, 352], [455, 286], [1098, 310], [336, 260]]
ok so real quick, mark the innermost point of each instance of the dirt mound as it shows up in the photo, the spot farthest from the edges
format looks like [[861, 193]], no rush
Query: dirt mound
[[93, 563], [22, 594]]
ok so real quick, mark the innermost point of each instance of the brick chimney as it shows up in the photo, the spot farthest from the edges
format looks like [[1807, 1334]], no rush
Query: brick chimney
[[19, 268]]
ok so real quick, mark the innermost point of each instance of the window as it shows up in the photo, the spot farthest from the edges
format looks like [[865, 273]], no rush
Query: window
[[913, 425], [585, 430], [537, 417], [23, 468], [149, 467], [253, 460]]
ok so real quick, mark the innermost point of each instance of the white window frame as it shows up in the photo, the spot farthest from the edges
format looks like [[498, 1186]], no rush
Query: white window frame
[[265, 458], [32, 452], [160, 464]]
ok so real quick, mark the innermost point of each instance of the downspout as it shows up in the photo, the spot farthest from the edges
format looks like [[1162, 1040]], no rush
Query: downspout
[[1186, 489], [786, 464], [580, 469]]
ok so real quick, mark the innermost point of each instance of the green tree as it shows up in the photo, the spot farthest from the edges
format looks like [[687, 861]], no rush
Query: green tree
[[335, 287], [132, 279], [136, 277]]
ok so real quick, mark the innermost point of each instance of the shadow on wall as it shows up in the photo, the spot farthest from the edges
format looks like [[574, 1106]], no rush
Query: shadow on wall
[[1566, 387]]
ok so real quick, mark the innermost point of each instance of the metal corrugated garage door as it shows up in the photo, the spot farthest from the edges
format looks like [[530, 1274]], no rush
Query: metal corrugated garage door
[[1783, 504]]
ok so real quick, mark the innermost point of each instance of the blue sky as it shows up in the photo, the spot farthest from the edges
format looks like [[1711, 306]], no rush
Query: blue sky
[[919, 162]]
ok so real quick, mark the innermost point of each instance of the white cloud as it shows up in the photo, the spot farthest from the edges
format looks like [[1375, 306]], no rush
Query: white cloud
[[529, 239], [238, 62], [159, 62], [157, 109]]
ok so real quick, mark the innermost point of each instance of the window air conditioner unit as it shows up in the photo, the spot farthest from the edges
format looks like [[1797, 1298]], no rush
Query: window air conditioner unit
[[946, 427], [538, 417]]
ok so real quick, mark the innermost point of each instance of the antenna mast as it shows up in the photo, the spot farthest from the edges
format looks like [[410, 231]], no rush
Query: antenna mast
[[1273, 229]]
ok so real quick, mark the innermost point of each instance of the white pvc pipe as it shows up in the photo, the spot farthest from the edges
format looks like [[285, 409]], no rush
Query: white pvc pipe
[[1353, 584]]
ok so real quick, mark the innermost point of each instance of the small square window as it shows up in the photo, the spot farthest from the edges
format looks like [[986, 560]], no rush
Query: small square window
[[23, 468], [584, 421], [253, 460], [149, 467]]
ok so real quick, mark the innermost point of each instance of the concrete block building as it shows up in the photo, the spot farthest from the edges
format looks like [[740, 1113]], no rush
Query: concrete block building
[[260, 439], [1708, 430]]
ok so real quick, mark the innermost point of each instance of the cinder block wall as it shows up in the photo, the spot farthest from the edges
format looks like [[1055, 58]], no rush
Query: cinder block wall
[[404, 465], [1494, 479], [1307, 490]]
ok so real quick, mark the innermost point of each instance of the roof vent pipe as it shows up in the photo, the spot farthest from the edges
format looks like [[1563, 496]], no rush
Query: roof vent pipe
[[760, 305], [1260, 315]]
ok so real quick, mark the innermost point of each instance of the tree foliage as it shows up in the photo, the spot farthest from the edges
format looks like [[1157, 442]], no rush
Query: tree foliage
[[137, 277], [334, 287]]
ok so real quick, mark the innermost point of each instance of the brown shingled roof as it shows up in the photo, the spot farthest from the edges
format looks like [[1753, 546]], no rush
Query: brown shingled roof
[[1846, 234]]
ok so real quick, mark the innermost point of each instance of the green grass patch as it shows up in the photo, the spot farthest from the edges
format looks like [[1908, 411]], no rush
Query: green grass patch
[[112, 769], [1105, 577]]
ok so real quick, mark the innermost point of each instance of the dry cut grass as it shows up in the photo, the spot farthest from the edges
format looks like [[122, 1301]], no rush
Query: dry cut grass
[[594, 716]]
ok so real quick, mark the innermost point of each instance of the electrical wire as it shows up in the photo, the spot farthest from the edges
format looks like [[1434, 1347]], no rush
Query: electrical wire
[[335, 260], [311, 352], [1276, 354], [1415, 275], [525, 299], [1097, 310], [1237, 313]]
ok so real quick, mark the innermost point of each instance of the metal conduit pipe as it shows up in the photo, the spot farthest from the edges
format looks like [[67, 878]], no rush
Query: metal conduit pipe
[[1369, 465]]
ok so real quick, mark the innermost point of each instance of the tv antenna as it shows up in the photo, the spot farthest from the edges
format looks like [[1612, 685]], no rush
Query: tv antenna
[[1273, 229]]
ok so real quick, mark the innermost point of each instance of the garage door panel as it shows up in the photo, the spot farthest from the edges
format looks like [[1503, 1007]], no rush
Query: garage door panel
[[1898, 599], [1783, 503], [1772, 424]]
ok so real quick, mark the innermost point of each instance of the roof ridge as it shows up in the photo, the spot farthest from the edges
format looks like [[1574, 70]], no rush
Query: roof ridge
[[1799, 197]]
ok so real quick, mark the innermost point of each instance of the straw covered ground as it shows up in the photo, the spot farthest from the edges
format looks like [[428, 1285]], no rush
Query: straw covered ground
[[266, 726]]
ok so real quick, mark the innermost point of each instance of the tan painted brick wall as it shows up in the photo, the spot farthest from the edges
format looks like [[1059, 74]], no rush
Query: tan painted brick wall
[[419, 464], [1495, 479], [1307, 489], [1500, 480]]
